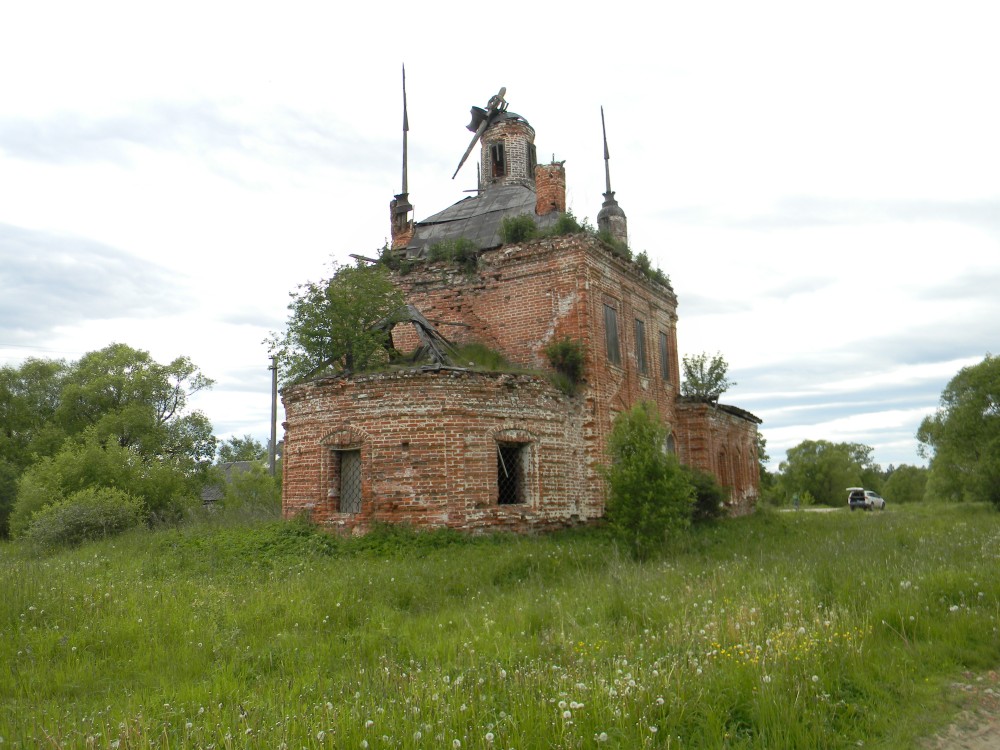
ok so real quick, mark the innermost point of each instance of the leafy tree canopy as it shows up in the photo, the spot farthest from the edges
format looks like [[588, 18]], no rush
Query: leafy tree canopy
[[905, 484], [115, 395], [825, 470], [705, 376], [333, 324], [245, 448], [164, 487], [963, 437], [126, 396]]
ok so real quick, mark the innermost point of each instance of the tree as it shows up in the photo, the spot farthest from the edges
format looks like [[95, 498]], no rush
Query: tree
[[164, 487], [705, 377], [29, 396], [768, 480], [963, 437], [115, 395], [650, 498], [825, 470], [709, 496], [335, 323], [906, 484], [245, 448], [125, 395]]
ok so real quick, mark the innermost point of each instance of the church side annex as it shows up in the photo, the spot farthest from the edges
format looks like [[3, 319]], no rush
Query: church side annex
[[447, 445]]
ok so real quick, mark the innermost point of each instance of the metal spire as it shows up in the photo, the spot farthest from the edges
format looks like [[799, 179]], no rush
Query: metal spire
[[611, 218], [607, 157], [406, 129]]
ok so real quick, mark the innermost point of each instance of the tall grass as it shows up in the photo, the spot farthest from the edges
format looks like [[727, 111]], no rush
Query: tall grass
[[780, 630]]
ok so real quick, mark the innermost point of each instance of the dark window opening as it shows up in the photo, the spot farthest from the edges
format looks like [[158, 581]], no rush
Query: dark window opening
[[611, 335], [510, 473], [349, 480], [532, 159], [498, 165], [664, 357], [671, 444], [640, 347]]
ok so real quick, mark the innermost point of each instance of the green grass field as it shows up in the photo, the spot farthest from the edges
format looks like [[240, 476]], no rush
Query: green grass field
[[783, 630]]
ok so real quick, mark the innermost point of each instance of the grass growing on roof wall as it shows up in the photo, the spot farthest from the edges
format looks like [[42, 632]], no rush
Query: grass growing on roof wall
[[781, 630]]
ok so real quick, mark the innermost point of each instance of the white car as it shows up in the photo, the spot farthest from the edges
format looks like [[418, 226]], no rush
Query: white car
[[859, 497]]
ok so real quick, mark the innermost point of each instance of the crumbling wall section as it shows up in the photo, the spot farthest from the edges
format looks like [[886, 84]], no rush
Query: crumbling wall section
[[524, 296]]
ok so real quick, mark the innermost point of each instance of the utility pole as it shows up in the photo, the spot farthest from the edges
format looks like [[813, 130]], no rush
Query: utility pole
[[273, 444]]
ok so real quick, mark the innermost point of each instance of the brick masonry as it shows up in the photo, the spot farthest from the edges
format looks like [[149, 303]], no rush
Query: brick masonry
[[429, 443], [429, 440], [550, 188]]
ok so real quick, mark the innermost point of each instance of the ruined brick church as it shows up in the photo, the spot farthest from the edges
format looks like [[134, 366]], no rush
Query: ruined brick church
[[446, 444]]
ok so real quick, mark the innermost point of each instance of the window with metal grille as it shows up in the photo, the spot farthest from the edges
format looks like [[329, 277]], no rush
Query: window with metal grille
[[510, 473], [664, 356], [497, 162], [640, 347], [349, 475], [611, 335]]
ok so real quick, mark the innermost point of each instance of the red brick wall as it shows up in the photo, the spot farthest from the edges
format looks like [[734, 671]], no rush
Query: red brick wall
[[428, 443], [722, 443], [527, 295], [550, 188], [428, 439]]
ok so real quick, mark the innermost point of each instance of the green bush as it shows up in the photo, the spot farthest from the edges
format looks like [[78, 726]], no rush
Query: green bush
[[463, 252], [89, 514], [650, 497], [253, 492], [480, 356], [709, 496], [38, 487], [565, 224], [165, 489], [617, 247], [515, 229], [566, 357]]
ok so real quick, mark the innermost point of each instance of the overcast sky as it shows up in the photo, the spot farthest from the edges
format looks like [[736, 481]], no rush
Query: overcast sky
[[821, 181]]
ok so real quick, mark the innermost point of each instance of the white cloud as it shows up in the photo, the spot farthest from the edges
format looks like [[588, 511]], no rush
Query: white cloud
[[819, 182]]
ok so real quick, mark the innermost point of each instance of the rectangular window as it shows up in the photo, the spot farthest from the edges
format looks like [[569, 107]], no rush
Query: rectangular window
[[664, 356], [349, 480], [611, 335], [497, 162], [641, 360], [510, 473]]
